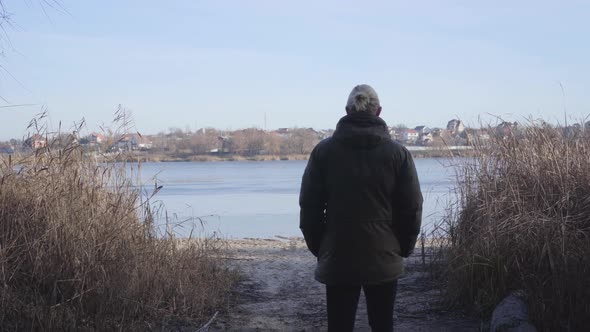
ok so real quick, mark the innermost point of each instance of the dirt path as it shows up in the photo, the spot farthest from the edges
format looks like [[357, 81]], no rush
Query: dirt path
[[278, 293]]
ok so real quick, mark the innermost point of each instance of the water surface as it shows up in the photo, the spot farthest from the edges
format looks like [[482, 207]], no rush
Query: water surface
[[258, 199]]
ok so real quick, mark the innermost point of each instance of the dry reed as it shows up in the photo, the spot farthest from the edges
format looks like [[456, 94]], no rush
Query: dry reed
[[79, 250], [522, 222]]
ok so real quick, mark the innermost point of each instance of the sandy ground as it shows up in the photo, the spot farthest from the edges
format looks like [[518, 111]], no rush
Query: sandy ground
[[278, 293]]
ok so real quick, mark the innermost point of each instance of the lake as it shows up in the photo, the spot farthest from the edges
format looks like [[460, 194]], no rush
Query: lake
[[257, 199]]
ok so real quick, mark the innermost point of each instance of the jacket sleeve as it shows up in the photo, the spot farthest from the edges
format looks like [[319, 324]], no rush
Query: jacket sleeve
[[312, 202], [407, 202]]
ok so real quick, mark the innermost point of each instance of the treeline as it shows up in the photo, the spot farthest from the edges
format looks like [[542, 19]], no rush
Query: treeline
[[244, 142], [207, 141]]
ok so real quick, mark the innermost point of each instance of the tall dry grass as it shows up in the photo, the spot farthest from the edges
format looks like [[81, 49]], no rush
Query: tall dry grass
[[79, 250], [522, 222]]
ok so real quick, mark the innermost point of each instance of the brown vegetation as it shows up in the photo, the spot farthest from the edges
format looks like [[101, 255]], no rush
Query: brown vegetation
[[79, 250], [248, 142], [523, 223]]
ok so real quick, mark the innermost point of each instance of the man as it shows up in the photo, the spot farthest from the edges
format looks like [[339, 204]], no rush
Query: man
[[361, 210]]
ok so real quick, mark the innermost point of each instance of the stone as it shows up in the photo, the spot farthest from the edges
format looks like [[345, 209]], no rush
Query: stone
[[511, 315]]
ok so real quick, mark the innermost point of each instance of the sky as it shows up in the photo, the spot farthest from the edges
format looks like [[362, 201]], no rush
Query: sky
[[233, 64]]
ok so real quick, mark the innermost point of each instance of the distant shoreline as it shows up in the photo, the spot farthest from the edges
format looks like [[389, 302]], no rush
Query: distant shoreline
[[155, 158], [148, 157]]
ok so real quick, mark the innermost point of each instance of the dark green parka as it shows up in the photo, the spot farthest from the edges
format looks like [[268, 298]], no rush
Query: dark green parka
[[361, 205]]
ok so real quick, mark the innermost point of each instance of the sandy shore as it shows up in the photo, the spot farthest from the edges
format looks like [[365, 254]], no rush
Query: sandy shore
[[278, 293]]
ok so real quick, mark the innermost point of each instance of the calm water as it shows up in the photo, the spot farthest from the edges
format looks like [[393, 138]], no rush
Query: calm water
[[258, 199]]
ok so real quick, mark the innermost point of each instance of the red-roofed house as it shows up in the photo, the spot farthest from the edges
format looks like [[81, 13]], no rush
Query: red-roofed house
[[96, 138], [36, 141], [410, 136]]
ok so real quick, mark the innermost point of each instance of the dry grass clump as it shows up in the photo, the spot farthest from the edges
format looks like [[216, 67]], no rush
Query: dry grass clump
[[79, 251], [523, 223]]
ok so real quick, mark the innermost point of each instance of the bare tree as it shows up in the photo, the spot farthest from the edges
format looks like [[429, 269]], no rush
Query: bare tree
[[249, 141], [300, 141], [204, 141], [273, 143]]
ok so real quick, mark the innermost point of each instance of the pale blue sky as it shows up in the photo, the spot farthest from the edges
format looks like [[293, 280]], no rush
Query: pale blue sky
[[225, 64]]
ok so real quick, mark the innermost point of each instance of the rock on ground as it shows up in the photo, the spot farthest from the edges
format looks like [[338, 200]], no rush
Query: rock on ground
[[511, 315]]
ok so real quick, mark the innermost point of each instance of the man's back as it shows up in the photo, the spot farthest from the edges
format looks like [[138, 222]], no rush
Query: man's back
[[365, 180]]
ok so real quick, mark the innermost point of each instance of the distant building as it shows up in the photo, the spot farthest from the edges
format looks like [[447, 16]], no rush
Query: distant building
[[36, 142], [283, 132], [325, 133], [96, 138], [506, 128], [436, 132], [224, 143], [424, 134], [124, 143], [143, 142], [130, 142], [423, 130], [410, 136], [426, 139], [483, 134], [455, 127], [391, 131]]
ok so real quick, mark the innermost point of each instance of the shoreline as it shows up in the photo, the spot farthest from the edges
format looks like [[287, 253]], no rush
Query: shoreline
[[144, 157]]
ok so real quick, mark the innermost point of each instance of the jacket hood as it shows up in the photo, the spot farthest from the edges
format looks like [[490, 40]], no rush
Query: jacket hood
[[361, 130]]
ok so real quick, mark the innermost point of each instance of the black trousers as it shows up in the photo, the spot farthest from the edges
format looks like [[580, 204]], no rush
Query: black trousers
[[343, 302]]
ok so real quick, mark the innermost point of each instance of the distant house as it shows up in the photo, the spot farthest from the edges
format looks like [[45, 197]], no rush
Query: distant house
[[455, 127], [96, 138], [506, 128], [124, 143], [426, 139], [436, 132], [224, 143], [423, 130], [143, 142], [36, 142], [325, 133], [283, 132], [134, 142], [410, 136], [483, 134], [424, 134], [396, 134], [392, 132]]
